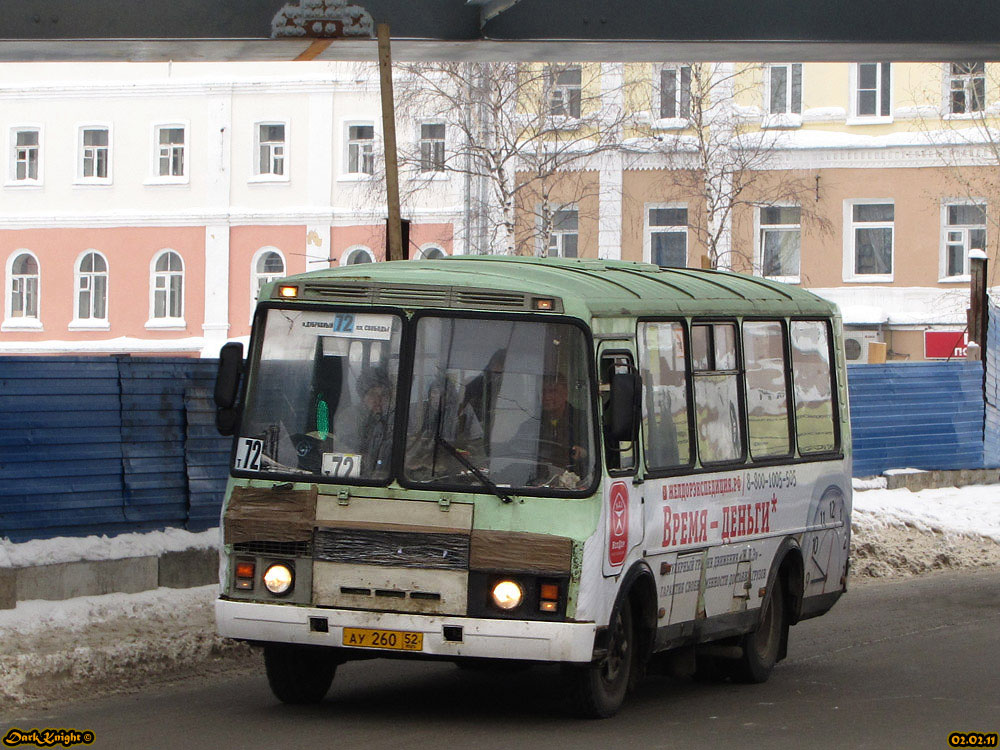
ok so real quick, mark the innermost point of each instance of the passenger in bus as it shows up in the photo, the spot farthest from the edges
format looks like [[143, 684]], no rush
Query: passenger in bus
[[369, 427], [480, 397]]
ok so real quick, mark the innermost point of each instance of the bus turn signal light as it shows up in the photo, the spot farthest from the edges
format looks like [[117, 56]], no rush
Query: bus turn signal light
[[543, 303], [244, 575], [288, 291], [548, 597]]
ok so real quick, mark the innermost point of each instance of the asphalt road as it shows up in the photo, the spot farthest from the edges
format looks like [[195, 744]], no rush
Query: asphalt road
[[894, 665]]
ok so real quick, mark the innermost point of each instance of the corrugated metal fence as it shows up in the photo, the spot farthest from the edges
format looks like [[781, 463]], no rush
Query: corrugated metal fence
[[924, 415], [104, 445]]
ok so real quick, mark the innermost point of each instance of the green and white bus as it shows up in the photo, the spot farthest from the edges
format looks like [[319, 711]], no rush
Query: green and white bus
[[584, 462]]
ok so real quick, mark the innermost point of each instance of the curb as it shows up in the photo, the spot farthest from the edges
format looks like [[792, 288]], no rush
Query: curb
[[177, 570]]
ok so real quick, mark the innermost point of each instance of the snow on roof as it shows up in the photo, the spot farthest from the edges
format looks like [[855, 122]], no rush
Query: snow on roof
[[878, 305]]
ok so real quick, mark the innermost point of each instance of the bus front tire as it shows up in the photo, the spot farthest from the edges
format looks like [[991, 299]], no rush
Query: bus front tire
[[762, 646], [598, 690], [298, 674]]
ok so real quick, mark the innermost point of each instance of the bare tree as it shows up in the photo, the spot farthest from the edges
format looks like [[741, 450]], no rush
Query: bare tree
[[518, 135], [721, 156]]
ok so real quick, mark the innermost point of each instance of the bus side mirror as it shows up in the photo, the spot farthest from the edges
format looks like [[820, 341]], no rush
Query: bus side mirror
[[623, 408], [227, 385]]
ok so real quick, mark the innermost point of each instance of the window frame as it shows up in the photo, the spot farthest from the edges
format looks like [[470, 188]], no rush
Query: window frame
[[760, 228], [350, 251], [436, 167], [648, 229], [947, 228], [91, 323], [791, 114], [557, 237], [968, 83], [12, 179], [348, 142], [567, 103], [682, 97], [81, 159], [166, 321], [789, 395], [739, 372], [258, 144], [856, 116], [850, 235], [11, 323], [169, 179], [430, 247], [838, 446], [255, 275]]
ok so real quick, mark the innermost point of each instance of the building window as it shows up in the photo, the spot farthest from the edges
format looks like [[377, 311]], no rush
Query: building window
[[94, 153], [675, 92], [431, 252], [432, 147], [873, 90], [780, 241], [354, 255], [565, 235], [24, 281], [361, 149], [784, 89], [871, 232], [667, 236], [26, 155], [271, 149], [269, 266], [92, 288], [565, 90], [168, 286], [967, 88], [171, 143], [964, 230]]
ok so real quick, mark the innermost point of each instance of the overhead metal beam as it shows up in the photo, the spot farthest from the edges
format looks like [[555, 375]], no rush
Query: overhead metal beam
[[627, 30]]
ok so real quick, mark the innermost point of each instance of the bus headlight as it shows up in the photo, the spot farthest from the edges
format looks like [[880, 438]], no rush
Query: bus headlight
[[278, 579], [507, 595]]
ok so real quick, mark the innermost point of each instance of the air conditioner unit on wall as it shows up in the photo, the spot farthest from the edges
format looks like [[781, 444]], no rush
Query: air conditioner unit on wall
[[856, 345]]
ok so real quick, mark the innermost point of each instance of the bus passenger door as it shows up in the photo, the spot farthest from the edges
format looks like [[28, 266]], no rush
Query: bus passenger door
[[623, 496]]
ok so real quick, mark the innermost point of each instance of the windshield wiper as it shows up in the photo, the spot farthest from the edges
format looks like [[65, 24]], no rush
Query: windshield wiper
[[477, 473]]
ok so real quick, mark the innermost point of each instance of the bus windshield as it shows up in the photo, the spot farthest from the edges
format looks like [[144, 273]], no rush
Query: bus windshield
[[510, 398], [321, 399]]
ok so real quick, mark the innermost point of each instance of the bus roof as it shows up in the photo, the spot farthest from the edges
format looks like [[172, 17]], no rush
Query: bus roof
[[586, 287]]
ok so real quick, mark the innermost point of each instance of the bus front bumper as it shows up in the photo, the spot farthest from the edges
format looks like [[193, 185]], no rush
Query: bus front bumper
[[480, 638]]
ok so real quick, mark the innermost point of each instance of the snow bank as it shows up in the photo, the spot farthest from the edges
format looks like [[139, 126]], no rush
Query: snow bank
[[75, 549], [966, 511]]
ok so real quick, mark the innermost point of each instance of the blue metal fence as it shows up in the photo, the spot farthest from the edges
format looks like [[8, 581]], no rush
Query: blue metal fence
[[99, 445], [924, 415]]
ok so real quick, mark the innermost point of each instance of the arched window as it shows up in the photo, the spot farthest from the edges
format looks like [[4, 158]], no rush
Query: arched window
[[431, 252], [24, 278], [268, 265], [168, 286], [357, 254], [92, 287]]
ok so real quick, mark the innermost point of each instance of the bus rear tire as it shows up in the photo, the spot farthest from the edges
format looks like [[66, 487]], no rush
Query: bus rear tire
[[762, 646], [598, 690], [299, 674]]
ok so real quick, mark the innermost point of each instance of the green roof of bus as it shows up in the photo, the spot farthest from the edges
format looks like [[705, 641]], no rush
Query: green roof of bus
[[599, 288]]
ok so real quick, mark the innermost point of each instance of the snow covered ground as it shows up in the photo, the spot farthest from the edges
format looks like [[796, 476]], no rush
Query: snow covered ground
[[51, 652]]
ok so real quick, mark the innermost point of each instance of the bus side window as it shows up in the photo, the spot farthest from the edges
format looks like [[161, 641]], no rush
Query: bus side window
[[813, 386], [716, 392], [767, 394], [619, 456], [665, 422]]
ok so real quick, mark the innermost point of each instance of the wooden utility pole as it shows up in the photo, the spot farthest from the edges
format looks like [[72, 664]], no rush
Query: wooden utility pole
[[979, 306], [394, 239]]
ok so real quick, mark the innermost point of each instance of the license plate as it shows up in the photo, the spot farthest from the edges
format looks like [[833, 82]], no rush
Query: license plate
[[396, 640]]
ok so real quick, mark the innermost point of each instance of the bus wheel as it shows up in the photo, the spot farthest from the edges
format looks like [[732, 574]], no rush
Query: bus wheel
[[761, 647], [298, 674], [598, 690]]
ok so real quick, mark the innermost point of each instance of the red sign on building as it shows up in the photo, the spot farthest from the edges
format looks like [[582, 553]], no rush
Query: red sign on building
[[945, 344], [617, 523]]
